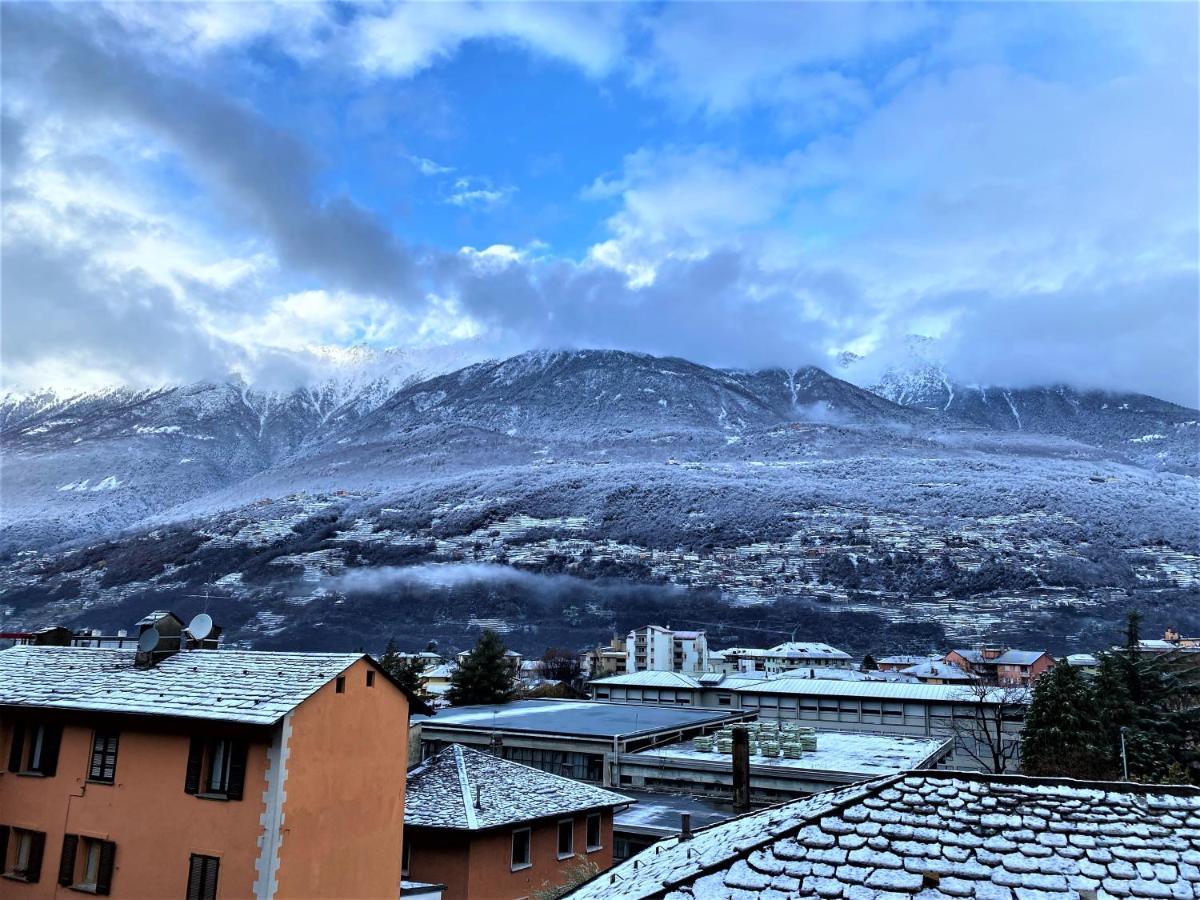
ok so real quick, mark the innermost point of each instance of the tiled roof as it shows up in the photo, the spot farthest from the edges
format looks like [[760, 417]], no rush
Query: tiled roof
[[935, 835], [255, 688], [466, 789]]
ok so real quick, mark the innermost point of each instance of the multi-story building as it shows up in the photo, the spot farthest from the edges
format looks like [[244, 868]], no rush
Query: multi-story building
[[200, 774], [1001, 665], [601, 661], [486, 827], [657, 649], [785, 657]]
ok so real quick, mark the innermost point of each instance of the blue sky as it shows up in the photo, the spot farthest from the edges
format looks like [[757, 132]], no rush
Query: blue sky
[[194, 190]]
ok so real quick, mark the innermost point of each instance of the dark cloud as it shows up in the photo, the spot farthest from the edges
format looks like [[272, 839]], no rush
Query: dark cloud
[[265, 174]]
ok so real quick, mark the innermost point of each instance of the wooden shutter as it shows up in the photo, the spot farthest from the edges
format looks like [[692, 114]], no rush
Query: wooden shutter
[[212, 866], [37, 850], [66, 865], [202, 877], [103, 766], [237, 770], [108, 853], [195, 764], [3, 844], [18, 747], [195, 877], [51, 741]]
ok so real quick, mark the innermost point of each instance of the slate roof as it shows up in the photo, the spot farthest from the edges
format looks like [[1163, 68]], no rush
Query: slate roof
[[935, 835], [468, 790], [254, 688]]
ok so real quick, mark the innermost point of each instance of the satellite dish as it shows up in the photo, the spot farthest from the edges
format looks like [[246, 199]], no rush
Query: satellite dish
[[201, 626], [149, 640]]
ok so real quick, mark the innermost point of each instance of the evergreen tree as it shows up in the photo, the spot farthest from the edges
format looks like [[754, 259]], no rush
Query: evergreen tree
[[869, 664], [1063, 735], [390, 660], [484, 676]]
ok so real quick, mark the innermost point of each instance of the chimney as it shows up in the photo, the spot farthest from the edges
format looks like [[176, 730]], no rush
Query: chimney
[[741, 769], [478, 797], [685, 826]]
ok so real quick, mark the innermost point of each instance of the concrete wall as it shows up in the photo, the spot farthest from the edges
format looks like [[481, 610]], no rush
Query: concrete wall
[[155, 825], [343, 817]]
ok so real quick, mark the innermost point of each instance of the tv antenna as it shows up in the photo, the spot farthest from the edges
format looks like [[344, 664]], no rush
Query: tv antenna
[[200, 627], [149, 640]]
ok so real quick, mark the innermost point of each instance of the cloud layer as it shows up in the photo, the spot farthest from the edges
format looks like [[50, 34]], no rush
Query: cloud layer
[[184, 198]]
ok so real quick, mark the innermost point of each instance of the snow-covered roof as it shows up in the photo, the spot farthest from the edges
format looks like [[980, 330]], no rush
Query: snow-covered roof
[[903, 659], [1019, 657], [251, 687], [650, 678], [808, 650], [578, 718], [465, 789], [934, 835], [932, 668], [883, 690], [1083, 659]]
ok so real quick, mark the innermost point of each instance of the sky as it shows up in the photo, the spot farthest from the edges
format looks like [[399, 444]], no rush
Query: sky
[[204, 191]]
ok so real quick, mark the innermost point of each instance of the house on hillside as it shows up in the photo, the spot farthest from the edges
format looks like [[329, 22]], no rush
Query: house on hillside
[[488, 827], [200, 773]]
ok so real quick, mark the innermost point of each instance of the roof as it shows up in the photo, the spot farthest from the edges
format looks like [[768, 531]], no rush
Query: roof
[[808, 650], [904, 659], [1019, 657], [841, 752], [469, 790], [932, 668], [883, 690], [578, 718], [245, 686], [651, 678], [934, 835], [1082, 659], [659, 814]]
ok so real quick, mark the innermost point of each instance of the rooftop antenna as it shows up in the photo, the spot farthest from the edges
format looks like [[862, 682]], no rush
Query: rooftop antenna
[[149, 640], [200, 627]]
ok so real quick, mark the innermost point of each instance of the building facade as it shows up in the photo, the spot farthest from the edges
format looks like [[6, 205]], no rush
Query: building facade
[[486, 827], [205, 774], [657, 649]]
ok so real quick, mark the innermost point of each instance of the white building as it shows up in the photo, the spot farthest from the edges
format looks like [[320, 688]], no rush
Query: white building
[[657, 649], [785, 657]]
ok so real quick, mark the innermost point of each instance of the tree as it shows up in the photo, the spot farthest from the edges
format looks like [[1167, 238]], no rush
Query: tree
[[485, 675], [560, 665], [1063, 733], [979, 722], [869, 664], [407, 672]]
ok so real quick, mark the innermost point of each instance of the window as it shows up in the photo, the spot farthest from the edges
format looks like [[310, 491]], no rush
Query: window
[[340, 685], [724, 700], [103, 767], [601, 695], [87, 864], [21, 853], [593, 832], [405, 859], [520, 849], [566, 838], [370, 679], [216, 769], [202, 877], [34, 749]]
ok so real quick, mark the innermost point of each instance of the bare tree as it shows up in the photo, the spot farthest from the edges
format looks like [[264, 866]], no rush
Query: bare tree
[[986, 724], [560, 665]]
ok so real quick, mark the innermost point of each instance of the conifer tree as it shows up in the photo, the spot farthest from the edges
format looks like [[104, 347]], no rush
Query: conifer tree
[[1063, 735], [484, 676], [407, 672]]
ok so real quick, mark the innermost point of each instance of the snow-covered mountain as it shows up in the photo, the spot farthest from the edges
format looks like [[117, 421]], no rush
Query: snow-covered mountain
[[95, 463]]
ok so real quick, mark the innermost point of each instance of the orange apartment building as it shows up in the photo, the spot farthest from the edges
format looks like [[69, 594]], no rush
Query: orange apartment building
[[200, 774], [491, 829]]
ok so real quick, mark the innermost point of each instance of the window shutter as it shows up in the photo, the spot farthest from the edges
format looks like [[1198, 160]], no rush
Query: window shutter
[[51, 741], [37, 849], [3, 844], [195, 877], [66, 865], [211, 867], [108, 852], [191, 784], [237, 770], [18, 746]]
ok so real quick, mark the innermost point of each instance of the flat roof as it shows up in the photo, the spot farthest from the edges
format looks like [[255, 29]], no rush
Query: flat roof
[[659, 814], [844, 752], [578, 718]]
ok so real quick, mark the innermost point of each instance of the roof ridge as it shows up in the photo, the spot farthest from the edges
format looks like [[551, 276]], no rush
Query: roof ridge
[[464, 784]]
